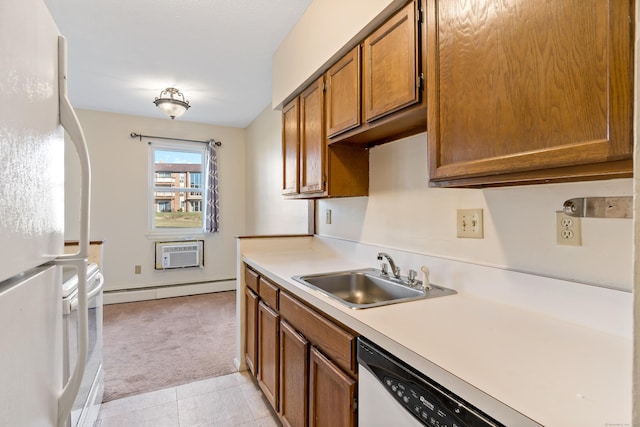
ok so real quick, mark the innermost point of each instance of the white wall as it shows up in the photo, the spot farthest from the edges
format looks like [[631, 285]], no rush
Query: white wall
[[119, 208], [268, 211], [519, 222]]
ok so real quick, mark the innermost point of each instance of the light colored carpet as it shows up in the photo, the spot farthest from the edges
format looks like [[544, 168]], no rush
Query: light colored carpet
[[151, 345]]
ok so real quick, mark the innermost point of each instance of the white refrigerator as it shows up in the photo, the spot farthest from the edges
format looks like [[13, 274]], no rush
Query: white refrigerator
[[34, 114]]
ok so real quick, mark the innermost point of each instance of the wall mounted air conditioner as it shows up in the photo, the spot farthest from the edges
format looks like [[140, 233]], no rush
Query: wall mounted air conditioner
[[181, 254]]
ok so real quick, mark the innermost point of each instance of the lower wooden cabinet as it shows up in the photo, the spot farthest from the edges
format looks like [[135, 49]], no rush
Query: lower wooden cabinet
[[268, 353], [331, 394], [304, 362], [251, 332], [294, 374]]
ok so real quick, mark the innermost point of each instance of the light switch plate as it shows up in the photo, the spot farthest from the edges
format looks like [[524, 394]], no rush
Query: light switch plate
[[469, 223]]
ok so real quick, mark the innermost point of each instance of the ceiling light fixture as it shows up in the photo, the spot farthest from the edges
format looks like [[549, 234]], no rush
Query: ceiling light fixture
[[171, 106]]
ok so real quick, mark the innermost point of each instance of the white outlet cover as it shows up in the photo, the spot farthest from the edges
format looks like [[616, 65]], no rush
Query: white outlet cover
[[568, 230]]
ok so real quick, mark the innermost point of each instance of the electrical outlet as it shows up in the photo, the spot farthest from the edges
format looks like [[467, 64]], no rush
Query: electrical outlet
[[568, 230], [469, 223], [138, 269], [327, 216]]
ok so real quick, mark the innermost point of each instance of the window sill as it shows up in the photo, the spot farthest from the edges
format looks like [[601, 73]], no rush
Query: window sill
[[177, 234]]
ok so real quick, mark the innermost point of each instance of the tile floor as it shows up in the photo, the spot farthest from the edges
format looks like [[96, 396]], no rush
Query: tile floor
[[230, 400]]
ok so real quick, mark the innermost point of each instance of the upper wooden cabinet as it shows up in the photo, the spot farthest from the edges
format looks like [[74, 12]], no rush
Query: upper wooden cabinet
[[391, 78], [375, 93], [290, 148], [312, 141], [311, 169], [343, 94], [529, 92]]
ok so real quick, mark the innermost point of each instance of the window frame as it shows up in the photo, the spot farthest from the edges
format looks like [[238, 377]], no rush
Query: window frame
[[152, 188]]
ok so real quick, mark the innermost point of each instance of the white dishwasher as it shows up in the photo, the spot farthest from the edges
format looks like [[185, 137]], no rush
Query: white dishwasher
[[392, 393]]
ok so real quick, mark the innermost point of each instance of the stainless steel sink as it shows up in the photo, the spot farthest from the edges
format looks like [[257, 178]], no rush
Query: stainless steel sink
[[367, 288]]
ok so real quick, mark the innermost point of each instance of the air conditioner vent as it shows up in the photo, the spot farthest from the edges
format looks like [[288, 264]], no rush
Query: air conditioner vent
[[179, 254]]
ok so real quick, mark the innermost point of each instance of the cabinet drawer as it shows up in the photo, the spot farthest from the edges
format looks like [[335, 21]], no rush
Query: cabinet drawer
[[269, 293], [251, 279], [332, 340]]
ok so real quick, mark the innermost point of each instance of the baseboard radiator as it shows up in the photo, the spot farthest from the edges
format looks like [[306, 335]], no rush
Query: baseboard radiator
[[179, 254]]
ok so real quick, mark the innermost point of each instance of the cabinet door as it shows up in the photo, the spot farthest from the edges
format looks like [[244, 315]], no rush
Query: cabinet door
[[331, 394], [390, 65], [312, 142], [343, 94], [290, 148], [294, 374], [515, 88], [251, 325], [268, 353]]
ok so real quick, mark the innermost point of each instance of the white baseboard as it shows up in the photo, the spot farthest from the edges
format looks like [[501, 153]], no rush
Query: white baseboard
[[142, 294]]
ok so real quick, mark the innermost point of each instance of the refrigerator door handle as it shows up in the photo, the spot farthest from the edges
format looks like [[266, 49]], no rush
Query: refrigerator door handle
[[69, 121], [73, 305]]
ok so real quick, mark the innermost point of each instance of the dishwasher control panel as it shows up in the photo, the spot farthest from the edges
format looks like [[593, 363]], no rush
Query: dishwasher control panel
[[431, 410], [428, 402]]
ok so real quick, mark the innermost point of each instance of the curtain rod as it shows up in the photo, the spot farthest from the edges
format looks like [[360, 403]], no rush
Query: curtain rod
[[139, 135]]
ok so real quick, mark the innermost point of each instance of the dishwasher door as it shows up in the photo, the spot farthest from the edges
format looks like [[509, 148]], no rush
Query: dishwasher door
[[392, 393], [377, 407]]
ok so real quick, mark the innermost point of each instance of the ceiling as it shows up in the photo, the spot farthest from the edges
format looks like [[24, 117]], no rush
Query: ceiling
[[122, 53]]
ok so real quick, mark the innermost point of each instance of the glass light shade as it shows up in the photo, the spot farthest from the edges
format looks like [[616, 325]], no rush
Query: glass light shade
[[171, 106]]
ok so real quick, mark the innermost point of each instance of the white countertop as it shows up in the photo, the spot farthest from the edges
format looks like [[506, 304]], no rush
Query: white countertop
[[503, 358]]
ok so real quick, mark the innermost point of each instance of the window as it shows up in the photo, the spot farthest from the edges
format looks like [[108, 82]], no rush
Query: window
[[177, 188]]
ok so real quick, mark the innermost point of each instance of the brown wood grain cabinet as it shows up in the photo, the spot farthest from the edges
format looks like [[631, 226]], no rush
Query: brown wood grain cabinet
[[335, 341], [269, 293], [323, 171], [312, 139], [391, 78], [268, 352], [343, 86], [535, 92], [294, 376], [331, 394], [290, 148], [306, 362], [251, 280], [251, 332]]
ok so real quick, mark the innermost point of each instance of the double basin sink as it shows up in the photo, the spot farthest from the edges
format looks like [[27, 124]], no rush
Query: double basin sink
[[369, 288]]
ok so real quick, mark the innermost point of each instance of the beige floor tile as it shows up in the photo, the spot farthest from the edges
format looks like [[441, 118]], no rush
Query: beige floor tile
[[227, 401], [137, 402], [226, 407], [165, 415], [207, 386], [263, 422]]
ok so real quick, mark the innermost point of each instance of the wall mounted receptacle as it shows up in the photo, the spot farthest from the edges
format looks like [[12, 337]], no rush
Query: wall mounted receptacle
[[137, 269], [568, 230], [327, 216], [469, 223]]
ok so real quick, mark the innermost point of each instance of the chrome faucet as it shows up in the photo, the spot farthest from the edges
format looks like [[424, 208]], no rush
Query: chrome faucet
[[395, 270]]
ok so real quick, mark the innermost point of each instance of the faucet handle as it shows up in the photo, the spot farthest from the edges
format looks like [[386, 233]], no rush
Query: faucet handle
[[412, 276], [425, 278], [385, 268]]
